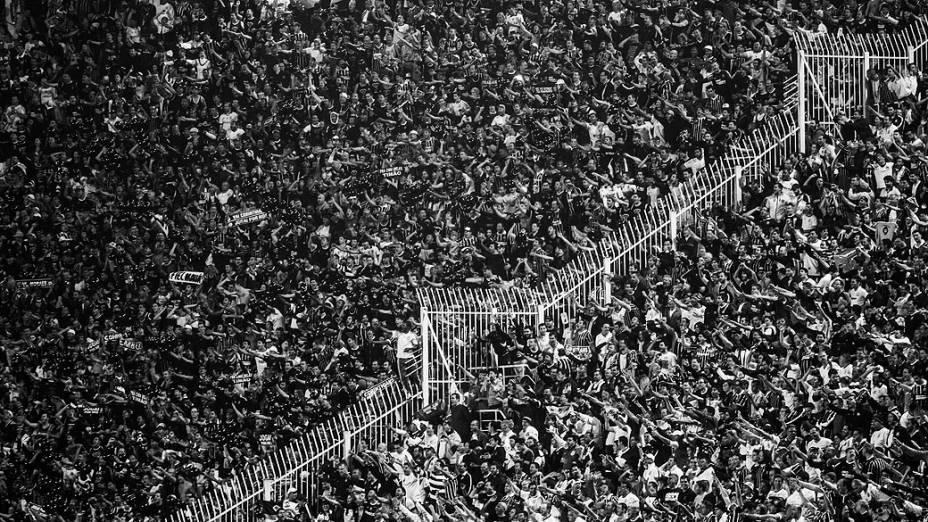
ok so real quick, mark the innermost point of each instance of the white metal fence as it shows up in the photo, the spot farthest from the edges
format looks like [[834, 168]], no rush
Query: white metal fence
[[241, 498], [454, 320], [833, 70]]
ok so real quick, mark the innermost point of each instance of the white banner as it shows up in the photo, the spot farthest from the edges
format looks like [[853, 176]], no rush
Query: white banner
[[391, 172], [42, 282], [190, 278], [245, 217]]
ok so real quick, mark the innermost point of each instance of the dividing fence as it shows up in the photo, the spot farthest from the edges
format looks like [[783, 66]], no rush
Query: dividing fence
[[833, 70], [456, 322], [370, 420]]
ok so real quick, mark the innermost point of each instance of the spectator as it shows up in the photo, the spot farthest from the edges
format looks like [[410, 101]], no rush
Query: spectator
[[217, 214]]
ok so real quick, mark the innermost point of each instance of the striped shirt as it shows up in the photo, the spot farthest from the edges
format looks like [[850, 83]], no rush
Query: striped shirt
[[697, 127], [714, 104]]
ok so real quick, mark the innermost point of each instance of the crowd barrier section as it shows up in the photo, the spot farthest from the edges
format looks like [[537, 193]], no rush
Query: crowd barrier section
[[833, 70], [369, 421], [454, 320], [450, 315]]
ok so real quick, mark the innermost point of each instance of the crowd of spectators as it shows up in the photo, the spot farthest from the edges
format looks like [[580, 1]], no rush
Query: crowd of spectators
[[771, 365], [216, 213]]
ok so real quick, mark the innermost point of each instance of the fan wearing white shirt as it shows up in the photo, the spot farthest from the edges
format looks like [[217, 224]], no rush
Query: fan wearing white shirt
[[227, 118], [501, 117], [234, 131], [882, 437]]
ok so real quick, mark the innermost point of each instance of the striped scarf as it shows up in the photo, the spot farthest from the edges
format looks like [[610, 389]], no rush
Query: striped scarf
[[919, 393], [744, 356]]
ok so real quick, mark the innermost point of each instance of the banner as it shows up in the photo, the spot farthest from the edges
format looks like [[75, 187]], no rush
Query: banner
[[244, 217], [391, 172], [241, 379], [375, 389], [42, 282], [130, 344], [845, 260], [190, 278], [885, 231], [159, 342], [579, 352], [138, 397], [91, 410], [267, 441]]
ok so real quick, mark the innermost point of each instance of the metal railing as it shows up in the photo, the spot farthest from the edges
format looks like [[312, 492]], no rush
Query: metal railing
[[834, 70], [632, 246], [242, 498], [454, 321]]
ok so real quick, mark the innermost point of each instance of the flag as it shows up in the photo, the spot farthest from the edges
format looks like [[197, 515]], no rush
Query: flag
[[845, 260], [885, 231]]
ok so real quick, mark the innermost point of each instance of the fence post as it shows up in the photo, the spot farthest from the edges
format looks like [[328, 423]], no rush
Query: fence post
[[739, 172], [801, 108], [346, 443], [424, 325], [607, 281], [674, 217]]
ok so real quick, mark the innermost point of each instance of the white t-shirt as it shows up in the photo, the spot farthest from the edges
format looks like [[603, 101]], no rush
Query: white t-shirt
[[412, 484], [234, 134], [226, 120], [202, 66], [500, 120], [404, 344], [630, 500], [795, 499], [260, 363], [224, 196]]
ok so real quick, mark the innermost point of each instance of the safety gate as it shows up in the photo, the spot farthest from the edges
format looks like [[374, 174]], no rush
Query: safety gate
[[835, 71]]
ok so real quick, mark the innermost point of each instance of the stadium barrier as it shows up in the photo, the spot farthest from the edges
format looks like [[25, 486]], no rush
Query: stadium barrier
[[450, 318], [369, 421], [833, 70]]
